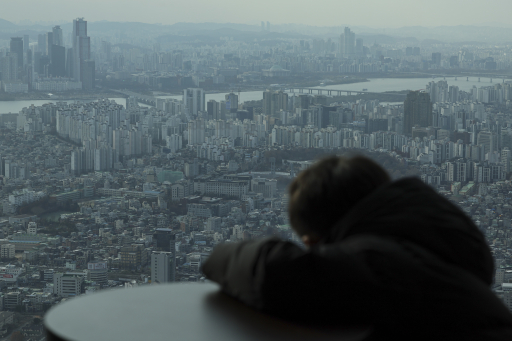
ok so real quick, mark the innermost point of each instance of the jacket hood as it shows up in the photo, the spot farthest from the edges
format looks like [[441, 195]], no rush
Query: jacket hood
[[410, 210]]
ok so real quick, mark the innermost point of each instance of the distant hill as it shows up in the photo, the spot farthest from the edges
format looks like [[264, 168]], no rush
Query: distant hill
[[185, 26], [455, 33], [410, 35], [6, 25]]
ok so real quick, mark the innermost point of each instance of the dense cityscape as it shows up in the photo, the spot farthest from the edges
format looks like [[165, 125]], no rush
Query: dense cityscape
[[128, 175]]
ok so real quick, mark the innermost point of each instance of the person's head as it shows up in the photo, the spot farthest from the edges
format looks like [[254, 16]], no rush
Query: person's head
[[322, 194]]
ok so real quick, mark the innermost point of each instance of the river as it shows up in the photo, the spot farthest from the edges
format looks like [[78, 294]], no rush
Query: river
[[373, 85]]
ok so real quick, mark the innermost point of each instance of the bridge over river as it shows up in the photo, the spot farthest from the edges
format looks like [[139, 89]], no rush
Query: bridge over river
[[337, 92], [148, 100]]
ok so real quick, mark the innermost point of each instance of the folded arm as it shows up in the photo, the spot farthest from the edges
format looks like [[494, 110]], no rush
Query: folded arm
[[281, 278]]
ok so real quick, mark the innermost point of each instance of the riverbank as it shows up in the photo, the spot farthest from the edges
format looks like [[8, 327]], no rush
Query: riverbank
[[393, 96], [60, 96]]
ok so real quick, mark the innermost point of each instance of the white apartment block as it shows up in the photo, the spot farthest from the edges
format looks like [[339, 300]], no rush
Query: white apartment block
[[56, 85], [162, 267], [7, 251], [226, 188], [67, 285], [181, 190], [265, 186]]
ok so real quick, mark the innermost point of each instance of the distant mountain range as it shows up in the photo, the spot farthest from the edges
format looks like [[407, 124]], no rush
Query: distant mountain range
[[411, 35], [6, 25]]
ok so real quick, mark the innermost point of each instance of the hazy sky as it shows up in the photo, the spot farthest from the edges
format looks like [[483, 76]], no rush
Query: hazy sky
[[373, 13]]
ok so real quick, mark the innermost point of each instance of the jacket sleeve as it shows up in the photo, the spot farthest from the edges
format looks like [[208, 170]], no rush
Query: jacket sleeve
[[281, 278]]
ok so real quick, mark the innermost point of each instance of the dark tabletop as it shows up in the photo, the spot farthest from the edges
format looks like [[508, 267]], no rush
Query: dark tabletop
[[191, 311]]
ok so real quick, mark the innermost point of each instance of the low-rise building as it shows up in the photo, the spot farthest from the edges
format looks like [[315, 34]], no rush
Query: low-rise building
[[12, 300], [7, 251], [67, 284]]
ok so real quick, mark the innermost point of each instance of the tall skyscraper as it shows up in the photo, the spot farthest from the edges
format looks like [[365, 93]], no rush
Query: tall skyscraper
[[162, 267], [28, 57], [49, 43], [232, 101], [69, 63], [57, 36], [88, 74], [417, 111], [17, 47], [9, 67], [58, 61], [436, 58], [26, 41], [274, 101], [212, 108], [41, 43], [347, 43], [359, 47], [81, 47], [267, 102], [194, 100]]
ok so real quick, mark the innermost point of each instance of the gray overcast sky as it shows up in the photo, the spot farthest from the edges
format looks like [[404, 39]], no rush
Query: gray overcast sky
[[373, 13]]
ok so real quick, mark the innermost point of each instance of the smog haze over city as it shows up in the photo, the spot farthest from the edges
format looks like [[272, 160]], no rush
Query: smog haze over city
[[136, 136]]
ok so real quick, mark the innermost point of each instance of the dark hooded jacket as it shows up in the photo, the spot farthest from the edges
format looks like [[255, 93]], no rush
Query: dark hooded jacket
[[404, 261]]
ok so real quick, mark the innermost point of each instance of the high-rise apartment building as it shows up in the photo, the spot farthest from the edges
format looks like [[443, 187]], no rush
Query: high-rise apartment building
[[194, 100], [196, 131], [103, 159], [9, 67], [417, 111], [347, 43], [162, 267], [274, 101], [212, 108], [359, 47], [231, 102], [436, 58], [506, 157]]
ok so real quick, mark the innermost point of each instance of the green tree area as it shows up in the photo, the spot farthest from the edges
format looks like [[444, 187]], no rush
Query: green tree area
[[179, 208], [6, 97], [395, 168], [65, 139], [62, 228], [48, 205], [392, 96]]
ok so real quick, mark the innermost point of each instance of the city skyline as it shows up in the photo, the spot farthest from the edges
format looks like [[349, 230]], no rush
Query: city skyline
[[130, 152], [388, 14]]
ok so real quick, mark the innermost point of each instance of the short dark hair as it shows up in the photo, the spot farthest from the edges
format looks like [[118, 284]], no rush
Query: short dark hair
[[322, 194]]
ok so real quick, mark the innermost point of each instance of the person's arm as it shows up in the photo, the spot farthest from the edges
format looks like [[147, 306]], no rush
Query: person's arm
[[281, 278]]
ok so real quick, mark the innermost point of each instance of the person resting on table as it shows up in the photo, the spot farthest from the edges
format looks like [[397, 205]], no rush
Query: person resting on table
[[391, 255]]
